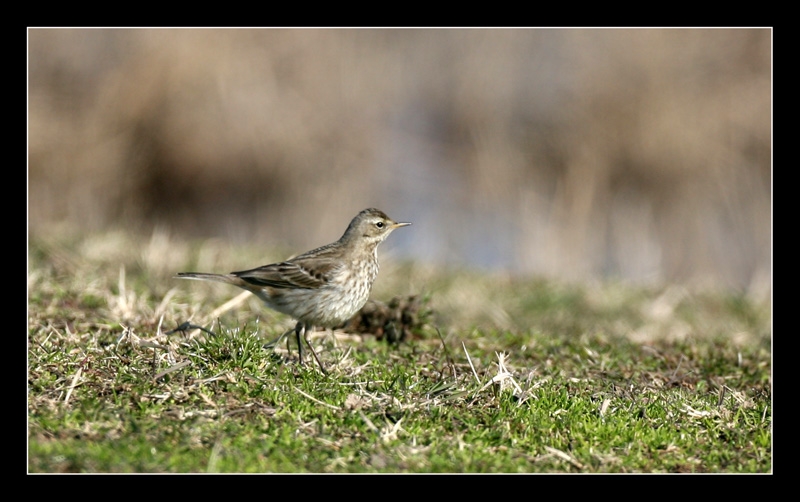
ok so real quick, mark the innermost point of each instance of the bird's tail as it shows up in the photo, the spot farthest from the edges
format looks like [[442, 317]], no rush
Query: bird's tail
[[200, 276]]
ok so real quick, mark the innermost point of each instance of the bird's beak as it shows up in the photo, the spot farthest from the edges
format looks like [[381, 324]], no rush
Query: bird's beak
[[401, 224]]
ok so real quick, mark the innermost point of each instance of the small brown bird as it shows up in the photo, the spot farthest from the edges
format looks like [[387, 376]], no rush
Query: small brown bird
[[323, 287]]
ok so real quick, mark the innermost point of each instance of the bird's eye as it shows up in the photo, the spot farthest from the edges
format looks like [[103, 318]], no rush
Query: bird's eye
[[379, 224]]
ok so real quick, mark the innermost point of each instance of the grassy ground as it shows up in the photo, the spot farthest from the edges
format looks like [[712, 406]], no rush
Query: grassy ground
[[497, 374]]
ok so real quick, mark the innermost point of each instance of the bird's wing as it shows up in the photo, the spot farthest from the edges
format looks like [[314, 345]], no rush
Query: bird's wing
[[296, 273]]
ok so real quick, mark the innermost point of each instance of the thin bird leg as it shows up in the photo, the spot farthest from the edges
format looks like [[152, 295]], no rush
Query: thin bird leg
[[297, 330], [306, 329]]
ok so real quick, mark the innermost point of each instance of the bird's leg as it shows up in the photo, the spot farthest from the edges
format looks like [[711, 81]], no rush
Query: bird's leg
[[306, 329], [297, 329]]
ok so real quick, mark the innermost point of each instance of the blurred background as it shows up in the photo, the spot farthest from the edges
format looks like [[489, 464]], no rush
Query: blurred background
[[635, 154]]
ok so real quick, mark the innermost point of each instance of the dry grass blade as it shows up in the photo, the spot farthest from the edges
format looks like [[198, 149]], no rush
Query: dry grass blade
[[230, 304], [316, 400], [469, 359], [73, 385], [564, 456], [604, 407], [172, 369]]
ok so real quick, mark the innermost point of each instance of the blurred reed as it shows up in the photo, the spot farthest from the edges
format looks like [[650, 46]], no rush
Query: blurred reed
[[641, 154]]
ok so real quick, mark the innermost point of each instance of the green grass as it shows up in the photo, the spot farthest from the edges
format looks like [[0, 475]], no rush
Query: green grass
[[506, 375]]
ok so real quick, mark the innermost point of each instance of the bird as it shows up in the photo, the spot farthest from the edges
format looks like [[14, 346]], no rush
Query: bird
[[323, 287]]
